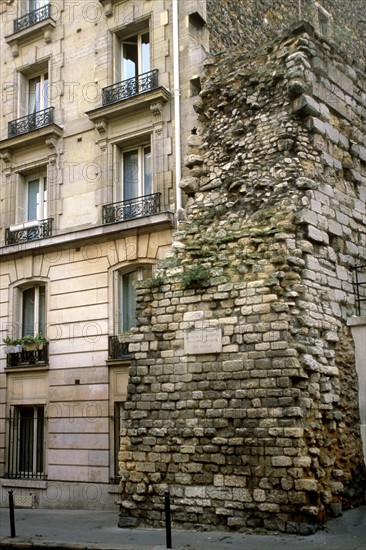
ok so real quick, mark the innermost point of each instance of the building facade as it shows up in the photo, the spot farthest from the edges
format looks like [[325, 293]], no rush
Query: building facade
[[89, 157], [97, 130]]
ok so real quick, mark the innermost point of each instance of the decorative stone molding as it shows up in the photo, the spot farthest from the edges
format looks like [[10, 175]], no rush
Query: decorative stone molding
[[15, 49], [157, 110], [101, 126], [55, 146], [47, 36], [6, 156]]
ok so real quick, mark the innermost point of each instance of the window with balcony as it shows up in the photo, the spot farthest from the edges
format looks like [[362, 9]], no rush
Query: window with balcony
[[31, 211], [26, 443], [133, 74], [32, 12], [134, 187], [33, 105]]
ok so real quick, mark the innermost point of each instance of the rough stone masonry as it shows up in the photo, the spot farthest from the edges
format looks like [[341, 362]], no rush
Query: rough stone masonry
[[260, 427]]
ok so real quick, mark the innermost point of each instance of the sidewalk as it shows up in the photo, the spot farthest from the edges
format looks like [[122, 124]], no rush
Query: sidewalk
[[87, 530]]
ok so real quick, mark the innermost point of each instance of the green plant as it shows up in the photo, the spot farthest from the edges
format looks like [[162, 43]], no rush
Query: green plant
[[196, 277], [39, 339], [154, 282], [12, 341]]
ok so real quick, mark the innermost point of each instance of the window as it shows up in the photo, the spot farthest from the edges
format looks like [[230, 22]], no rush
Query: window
[[133, 57], [126, 296], [136, 175], [30, 310], [32, 198], [26, 442], [38, 93], [32, 5]]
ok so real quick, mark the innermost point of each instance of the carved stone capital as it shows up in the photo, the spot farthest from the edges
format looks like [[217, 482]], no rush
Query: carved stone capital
[[55, 146], [47, 36]]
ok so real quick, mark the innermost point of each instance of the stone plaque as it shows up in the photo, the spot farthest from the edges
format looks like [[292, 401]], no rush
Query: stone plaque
[[207, 340]]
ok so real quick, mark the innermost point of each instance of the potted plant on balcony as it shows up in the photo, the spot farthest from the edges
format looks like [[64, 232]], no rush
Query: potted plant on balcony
[[32, 343], [12, 345]]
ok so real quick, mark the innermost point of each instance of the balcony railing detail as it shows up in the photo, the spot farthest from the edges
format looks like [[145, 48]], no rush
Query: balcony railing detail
[[30, 122], [359, 282], [28, 358], [40, 230], [117, 349], [130, 87], [32, 18], [132, 208]]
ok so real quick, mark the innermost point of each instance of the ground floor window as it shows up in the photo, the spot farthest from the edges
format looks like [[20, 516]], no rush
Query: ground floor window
[[26, 442]]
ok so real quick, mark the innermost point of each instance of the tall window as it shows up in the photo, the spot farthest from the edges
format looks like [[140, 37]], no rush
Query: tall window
[[126, 296], [26, 442], [34, 310], [38, 93], [136, 173], [29, 310], [32, 198], [35, 4], [135, 56]]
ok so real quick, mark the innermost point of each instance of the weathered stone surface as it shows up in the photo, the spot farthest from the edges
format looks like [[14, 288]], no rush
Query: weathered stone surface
[[266, 427]]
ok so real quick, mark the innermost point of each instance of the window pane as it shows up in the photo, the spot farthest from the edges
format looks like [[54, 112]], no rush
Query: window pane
[[28, 312], [32, 100], [130, 58], [130, 175], [42, 310], [39, 439], [44, 100], [26, 438], [129, 300], [145, 53], [147, 171], [33, 199]]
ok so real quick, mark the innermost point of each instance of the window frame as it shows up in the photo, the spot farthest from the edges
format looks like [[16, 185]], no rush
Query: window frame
[[142, 187], [143, 271], [123, 35], [23, 437], [17, 313]]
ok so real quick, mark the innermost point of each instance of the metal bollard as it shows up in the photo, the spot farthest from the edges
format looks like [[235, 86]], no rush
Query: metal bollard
[[11, 512], [168, 527]]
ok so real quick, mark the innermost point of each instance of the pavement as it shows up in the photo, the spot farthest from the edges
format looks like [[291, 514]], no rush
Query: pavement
[[91, 530]]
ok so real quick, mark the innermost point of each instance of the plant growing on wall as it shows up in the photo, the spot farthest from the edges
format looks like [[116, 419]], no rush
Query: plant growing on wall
[[196, 277]]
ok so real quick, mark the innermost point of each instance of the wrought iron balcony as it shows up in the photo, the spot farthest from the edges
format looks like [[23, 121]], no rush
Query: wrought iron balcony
[[28, 231], [28, 358], [132, 208], [117, 349], [359, 283], [30, 122], [130, 87], [32, 18]]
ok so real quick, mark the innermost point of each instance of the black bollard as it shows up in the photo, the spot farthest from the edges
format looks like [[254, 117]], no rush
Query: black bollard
[[168, 527], [11, 512]]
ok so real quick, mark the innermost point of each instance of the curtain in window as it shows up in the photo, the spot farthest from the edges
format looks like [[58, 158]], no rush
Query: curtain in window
[[130, 175]]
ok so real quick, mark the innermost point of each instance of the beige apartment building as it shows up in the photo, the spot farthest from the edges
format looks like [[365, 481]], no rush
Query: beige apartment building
[[96, 107]]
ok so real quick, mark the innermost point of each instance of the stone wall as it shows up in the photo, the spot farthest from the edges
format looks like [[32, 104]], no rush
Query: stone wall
[[252, 23], [262, 431]]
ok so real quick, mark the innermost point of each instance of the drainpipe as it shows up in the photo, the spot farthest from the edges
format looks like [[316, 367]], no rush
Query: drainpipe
[[176, 85]]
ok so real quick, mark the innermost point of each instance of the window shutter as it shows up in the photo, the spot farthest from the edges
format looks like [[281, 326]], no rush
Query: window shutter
[[17, 312], [23, 94], [20, 199], [117, 46]]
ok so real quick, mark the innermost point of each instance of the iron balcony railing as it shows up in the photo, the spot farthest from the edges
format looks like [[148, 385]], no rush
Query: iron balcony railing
[[130, 87], [132, 208], [359, 282], [32, 18], [117, 349], [39, 230], [30, 122], [28, 357]]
